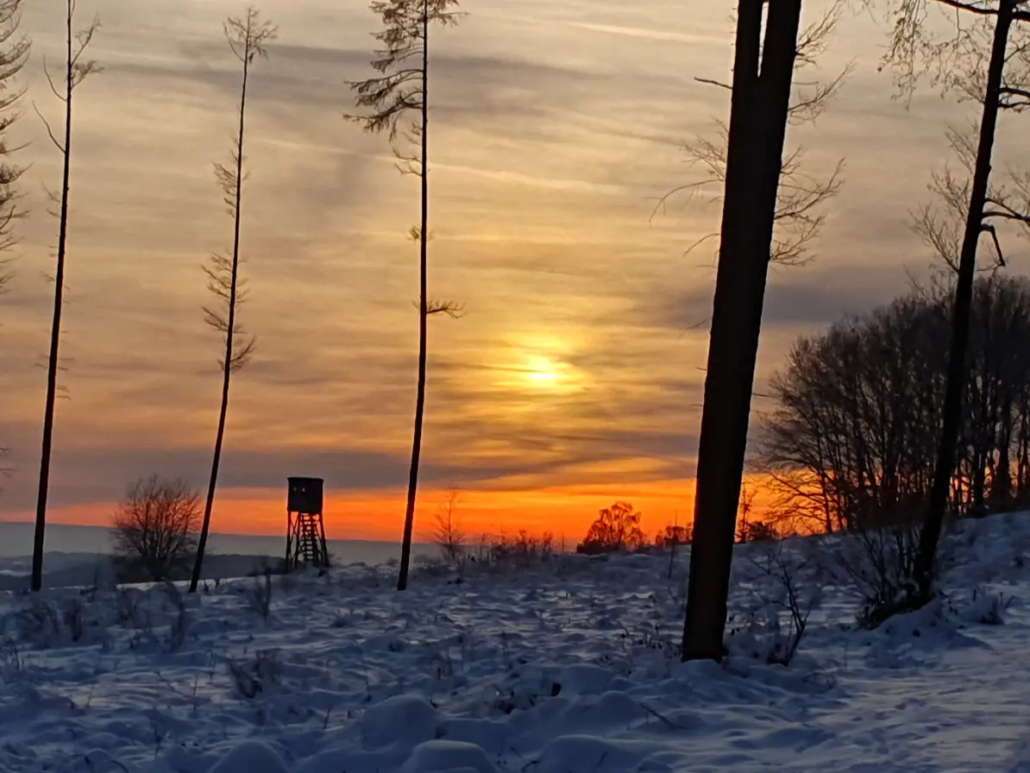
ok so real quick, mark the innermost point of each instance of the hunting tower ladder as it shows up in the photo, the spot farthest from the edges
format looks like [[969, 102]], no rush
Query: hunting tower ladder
[[305, 528]]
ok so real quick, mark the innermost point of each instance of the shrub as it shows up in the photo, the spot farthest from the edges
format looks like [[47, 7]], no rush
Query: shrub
[[671, 536], [879, 565], [447, 533], [155, 528], [783, 594]]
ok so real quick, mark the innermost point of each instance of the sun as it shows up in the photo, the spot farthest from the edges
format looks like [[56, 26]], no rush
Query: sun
[[539, 366], [542, 372]]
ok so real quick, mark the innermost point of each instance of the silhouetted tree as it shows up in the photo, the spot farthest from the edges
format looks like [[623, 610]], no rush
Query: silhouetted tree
[[850, 443], [758, 531], [858, 408], [959, 62], [744, 507], [76, 70], [402, 88], [155, 527], [616, 529], [764, 60], [14, 53], [672, 535], [248, 38]]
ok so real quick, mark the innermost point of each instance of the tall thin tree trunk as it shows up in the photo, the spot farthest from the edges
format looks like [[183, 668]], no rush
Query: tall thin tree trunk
[[758, 120], [946, 452], [55, 330], [423, 315], [231, 325]]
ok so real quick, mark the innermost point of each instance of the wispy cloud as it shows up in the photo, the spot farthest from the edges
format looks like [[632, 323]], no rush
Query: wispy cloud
[[554, 126]]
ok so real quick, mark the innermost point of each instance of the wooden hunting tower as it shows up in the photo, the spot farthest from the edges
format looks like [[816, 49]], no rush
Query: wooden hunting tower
[[305, 529]]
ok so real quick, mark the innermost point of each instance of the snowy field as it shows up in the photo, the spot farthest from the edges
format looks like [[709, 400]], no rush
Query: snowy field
[[80, 555], [567, 667]]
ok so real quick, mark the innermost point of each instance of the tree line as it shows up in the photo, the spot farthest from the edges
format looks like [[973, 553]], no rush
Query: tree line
[[860, 407]]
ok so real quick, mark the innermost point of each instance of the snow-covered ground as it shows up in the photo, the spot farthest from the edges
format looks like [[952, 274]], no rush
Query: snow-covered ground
[[567, 667], [80, 555]]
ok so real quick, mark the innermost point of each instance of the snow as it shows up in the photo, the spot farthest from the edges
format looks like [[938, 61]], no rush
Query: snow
[[69, 570], [564, 667], [80, 555]]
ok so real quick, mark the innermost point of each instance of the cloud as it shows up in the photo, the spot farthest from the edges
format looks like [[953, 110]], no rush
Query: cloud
[[554, 126], [795, 298]]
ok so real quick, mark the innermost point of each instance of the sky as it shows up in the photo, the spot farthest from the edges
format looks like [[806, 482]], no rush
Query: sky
[[574, 378]]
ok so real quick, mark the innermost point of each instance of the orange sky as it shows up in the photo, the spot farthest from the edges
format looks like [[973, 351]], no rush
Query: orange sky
[[564, 511], [574, 378]]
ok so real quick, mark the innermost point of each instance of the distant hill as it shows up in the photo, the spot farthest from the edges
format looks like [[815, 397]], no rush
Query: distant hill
[[78, 555]]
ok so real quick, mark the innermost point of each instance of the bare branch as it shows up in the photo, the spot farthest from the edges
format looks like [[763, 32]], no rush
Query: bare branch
[[997, 245], [710, 82], [49, 131], [956, 60], [800, 197], [452, 309], [814, 40], [977, 9], [798, 220], [663, 200], [50, 82], [14, 53], [81, 70], [812, 99], [248, 37]]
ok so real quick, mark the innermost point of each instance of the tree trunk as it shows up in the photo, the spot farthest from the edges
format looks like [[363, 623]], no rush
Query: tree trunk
[[946, 453], [231, 325], [423, 317], [758, 119], [55, 330]]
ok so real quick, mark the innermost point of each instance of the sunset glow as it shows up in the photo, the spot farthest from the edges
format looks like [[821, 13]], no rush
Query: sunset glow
[[575, 376], [543, 373]]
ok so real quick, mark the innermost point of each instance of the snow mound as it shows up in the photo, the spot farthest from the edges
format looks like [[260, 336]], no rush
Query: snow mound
[[251, 757], [404, 719], [448, 756]]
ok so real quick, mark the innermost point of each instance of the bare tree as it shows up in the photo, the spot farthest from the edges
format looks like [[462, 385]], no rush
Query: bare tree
[[403, 88], [763, 70], [799, 210], [248, 38], [76, 70], [155, 527], [960, 62], [14, 53], [448, 534], [850, 444]]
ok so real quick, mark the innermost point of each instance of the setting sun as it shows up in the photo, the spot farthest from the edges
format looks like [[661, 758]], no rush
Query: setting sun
[[543, 372]]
